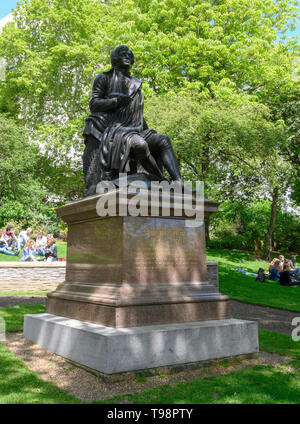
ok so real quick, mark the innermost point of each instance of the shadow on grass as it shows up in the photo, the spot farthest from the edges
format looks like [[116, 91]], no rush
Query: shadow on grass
[[14, 315], [19, 385], [259, 385]]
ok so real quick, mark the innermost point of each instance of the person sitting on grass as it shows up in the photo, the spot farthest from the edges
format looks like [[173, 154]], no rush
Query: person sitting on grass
[[286, 277], [5, 251], [51, 250], [297, 272], [281, 259], [23, 237], [275, 272], [272, 264], [41, 241], [293, 261], [9, 238], [29, 251]]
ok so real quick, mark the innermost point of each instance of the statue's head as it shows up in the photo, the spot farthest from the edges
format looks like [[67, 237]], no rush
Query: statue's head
[[122, 57]]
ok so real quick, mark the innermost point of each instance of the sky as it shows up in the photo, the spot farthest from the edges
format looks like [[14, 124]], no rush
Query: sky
[[7, 5]]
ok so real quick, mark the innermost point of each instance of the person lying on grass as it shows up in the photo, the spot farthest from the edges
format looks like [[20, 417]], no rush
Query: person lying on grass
[[5, 251]]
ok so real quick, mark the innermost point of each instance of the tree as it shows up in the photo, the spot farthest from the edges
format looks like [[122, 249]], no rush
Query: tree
[[240, 225], [286, 106], [231, 144], [223, 141], [234, 145], [206, 48], [23, 197]]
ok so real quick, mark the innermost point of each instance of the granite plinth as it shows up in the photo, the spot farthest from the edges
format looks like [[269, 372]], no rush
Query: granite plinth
[[145, 314], [110, 350], [125, 271]]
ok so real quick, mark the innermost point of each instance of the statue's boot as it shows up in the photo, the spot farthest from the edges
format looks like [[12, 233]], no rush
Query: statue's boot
[[169, 161]]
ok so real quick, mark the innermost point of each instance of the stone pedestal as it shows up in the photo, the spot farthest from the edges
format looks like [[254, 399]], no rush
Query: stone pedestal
[[125, 271], [136, 293], [115, 350]]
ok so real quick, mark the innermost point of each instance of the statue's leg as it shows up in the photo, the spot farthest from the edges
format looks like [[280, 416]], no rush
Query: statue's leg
[[139, 150], [160, 146], [90, 162]]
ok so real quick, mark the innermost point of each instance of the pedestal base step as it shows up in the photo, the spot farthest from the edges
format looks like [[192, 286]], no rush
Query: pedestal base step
[[114, 350]]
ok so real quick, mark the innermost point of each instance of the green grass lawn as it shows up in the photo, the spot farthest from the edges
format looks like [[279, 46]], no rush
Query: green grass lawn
[[61, 253], [243, 287], [22, 293], [14, 315], [260, 384], [20, 385], [283, 344]]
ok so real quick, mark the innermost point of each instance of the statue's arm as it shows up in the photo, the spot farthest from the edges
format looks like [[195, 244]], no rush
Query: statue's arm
[[98, 102], [145, 126]]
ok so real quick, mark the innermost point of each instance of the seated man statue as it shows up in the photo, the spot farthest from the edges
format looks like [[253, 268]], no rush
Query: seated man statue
[[117, 137]]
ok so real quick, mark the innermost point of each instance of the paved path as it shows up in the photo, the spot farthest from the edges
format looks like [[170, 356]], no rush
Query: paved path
[[268, 318], [22, 300]]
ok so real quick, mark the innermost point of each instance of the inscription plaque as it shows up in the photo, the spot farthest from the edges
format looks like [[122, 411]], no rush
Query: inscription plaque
[[158, 249]]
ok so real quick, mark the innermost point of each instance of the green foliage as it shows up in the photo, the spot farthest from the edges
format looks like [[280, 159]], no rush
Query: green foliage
[[18, 159], [25, 200], [244, 225], [223, 141], [179, 44], [209, 69], [211, 49], [287, 107]]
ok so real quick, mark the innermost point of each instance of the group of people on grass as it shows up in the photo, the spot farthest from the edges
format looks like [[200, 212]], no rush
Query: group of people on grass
[[43, 246], [285, 270]]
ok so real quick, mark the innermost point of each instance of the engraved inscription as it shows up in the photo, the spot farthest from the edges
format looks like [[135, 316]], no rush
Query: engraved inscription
[[159, 256]]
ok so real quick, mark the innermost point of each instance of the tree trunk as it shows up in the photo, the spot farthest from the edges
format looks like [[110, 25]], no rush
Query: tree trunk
[[269, 235], [207, 237]]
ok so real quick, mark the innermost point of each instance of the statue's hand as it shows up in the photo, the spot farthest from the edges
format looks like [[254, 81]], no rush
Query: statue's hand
[[124, 100]]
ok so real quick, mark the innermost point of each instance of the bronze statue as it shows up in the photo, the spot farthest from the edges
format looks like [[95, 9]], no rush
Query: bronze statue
[[117, 137]]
